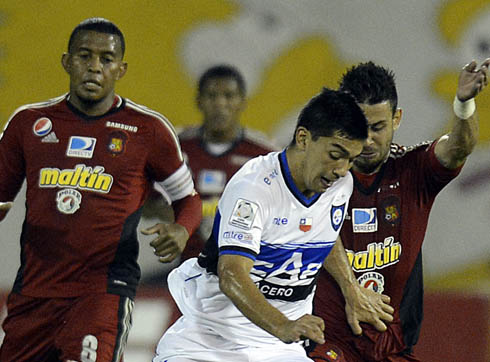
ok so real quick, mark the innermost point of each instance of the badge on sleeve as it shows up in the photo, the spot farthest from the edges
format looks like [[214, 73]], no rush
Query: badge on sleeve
[[243, 214]]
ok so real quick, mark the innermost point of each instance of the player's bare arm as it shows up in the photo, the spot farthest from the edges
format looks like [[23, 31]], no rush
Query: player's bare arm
[[170, 242], [361, 305], [453, 148], [235, 283]]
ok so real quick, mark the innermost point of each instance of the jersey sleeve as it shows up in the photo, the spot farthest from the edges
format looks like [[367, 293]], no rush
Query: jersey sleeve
[[12, 163], [436, 175], [243, 212], [166, 163]]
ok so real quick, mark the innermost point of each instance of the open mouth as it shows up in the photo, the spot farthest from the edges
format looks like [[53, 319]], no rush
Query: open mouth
[[326, 182]]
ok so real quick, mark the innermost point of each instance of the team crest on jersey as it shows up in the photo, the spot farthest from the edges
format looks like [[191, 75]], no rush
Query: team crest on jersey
[[82, 147], [372, 280], [337, 216], [305, 224], [391, 210], [243, 214], [68, 201], [117, 142], [42, 127], [364, 220]]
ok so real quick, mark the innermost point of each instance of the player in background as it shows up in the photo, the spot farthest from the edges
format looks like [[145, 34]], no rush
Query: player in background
[[394, 189], [90, 158], [248, 297], [214, 151]]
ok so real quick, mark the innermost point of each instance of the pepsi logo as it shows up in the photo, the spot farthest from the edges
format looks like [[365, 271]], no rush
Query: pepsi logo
[[42, 127]]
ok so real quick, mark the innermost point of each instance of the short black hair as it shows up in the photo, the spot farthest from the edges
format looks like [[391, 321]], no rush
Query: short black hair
[[371, 84], [222, 71], [100, 25], [333, 112]]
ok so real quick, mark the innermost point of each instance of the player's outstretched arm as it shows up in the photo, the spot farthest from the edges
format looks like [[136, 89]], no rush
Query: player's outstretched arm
[[452, 149], [235, 283], [361, 305]]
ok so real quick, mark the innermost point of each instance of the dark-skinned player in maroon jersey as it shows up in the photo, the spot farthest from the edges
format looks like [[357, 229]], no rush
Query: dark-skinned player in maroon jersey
[[394, 189], [217, 148], [90, 158]]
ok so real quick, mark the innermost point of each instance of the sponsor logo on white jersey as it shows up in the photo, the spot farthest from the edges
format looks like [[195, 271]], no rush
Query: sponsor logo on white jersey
[[243, 214]]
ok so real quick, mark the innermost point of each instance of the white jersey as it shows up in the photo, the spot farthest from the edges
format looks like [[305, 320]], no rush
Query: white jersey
[[263, 216]]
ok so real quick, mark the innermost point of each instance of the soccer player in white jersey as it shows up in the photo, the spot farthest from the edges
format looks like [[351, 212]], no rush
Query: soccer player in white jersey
[[248, 297]]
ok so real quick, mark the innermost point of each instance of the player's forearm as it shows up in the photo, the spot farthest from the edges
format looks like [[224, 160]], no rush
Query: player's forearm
[[247, 298], [338, 266], [188, 212], [463, 137]]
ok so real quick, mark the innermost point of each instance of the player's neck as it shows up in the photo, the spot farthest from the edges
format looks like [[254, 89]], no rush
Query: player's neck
[[92, 109], [221, 136]]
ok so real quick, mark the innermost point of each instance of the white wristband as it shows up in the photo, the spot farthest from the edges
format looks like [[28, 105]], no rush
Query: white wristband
[[464, 110]]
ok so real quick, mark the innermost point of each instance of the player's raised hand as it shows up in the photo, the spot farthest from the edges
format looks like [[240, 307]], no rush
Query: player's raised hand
[[305, 327], [170, 242], [472, 80], [369, 307], [5, 206]]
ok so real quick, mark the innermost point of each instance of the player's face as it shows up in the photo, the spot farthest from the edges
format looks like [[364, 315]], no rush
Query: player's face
[[94, 63], [381, 126], [326, 160], [221, 104]]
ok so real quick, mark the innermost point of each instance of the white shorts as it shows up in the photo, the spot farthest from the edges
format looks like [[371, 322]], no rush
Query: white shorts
[[186, 341]]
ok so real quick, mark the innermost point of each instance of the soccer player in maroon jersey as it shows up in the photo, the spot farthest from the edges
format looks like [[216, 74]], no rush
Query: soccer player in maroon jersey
[[394, 189], [90, 158], [216, 149]]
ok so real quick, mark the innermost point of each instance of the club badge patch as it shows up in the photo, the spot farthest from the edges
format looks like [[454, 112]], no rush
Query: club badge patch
[[337, 216], [364, 220], [82, 147], [391, 210], [42, 127], [243, 214], [68, 201], [117, 143]]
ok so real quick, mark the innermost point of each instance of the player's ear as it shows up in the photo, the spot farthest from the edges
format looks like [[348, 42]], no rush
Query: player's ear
[[123, 67], [397, 118], [65, 62], [302, 136]]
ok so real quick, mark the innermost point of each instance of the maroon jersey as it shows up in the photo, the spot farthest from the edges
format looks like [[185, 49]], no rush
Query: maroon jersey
[[383, 234], [212, 168], [87, 178]]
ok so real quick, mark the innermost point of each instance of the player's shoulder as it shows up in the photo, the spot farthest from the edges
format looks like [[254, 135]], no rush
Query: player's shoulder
[[149, 116], [257, 171], [34, 111], [190, 133], [39, 107], [259, 139], [399, 151]]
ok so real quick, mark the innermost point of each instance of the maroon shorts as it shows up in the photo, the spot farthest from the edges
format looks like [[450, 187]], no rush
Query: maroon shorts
[[92, 328]]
